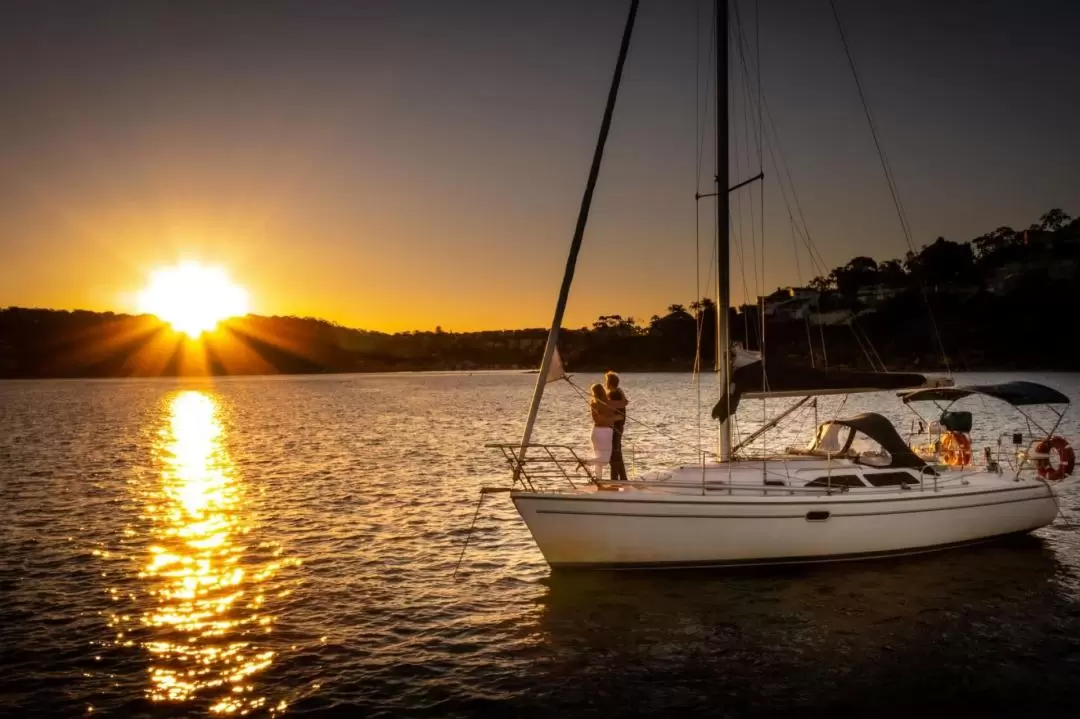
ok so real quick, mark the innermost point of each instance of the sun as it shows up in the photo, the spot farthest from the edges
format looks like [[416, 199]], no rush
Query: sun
[[192, 298]]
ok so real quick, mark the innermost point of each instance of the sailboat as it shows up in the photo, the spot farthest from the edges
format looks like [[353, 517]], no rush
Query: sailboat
[[858, 490]]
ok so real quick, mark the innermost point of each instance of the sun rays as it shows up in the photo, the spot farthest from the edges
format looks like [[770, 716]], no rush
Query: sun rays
[[192, 298]]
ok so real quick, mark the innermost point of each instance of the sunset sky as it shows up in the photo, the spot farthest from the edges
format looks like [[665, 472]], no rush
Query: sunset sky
[[401, 165]]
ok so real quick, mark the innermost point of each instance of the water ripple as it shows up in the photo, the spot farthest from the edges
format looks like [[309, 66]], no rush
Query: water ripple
[[287, 545]]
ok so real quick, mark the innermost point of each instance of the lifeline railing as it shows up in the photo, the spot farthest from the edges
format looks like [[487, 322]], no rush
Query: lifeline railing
[[551, 462]]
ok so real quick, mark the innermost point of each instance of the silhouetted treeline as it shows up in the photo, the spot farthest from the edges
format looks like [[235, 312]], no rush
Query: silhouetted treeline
[[1005, 300]]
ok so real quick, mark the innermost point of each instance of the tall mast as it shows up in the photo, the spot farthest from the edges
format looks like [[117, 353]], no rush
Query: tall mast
[[575, 245], [723, 253]]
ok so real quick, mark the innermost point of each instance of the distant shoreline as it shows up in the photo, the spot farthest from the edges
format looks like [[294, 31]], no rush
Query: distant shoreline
[[58, 344], [436, 373]]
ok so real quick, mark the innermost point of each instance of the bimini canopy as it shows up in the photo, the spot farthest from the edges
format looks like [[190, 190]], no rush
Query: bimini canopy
[[876, 428], [1017, 393]]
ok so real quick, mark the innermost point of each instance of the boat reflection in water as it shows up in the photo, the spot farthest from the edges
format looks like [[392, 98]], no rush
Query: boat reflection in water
[[870, 639], [207, 602]]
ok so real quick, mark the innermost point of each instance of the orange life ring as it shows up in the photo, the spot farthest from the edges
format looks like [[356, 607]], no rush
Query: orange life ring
[[1066, 459], [955, 449]]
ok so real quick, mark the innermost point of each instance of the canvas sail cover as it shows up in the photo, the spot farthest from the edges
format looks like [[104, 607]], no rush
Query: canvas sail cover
[[1017, 393], [753, 376]]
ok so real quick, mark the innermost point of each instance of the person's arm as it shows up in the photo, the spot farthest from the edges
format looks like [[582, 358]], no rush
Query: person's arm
[[618, 400]]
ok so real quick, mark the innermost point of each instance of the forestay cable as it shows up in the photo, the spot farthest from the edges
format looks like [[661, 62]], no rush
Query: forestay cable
[[901, 215]]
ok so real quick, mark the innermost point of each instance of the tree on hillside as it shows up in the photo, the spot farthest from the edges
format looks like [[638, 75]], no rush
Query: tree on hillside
[[1053, 220], [702, 307], [859, 272], [891, 273], [678, 323], [616, 325], [996, 241], [943, 262]]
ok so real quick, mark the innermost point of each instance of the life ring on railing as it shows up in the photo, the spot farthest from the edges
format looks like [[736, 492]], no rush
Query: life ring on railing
[[955, 449], [1066, 459]]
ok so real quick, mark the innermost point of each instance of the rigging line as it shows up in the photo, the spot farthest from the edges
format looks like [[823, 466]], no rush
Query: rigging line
[[740, 48], [468, 535], [671, 438], [748, 91], [870, 343], [703, 109], [746, 290], [772, 143], [764, 136], [735, 211], [759, 289], [700, 131], [696, 371], [713, 289], [740, 235], [801, 233], [1060, 511], [771, 137], [700, 140], [701, 315], [761, 163], [759, 281], [579, 235], [798, 277], [761, 214], [757, 50], [770, 140], [900, 213], [841, 407], [821, 331], [748, 87], [697, 96], [859, 341]]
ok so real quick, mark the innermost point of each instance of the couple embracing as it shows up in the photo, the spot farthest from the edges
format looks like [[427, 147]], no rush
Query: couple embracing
[[608, 407]]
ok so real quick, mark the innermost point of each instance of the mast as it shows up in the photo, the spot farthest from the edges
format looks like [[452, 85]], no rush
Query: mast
[[575, 245], [723, 250]]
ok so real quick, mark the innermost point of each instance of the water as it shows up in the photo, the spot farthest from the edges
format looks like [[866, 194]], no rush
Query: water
[[286, 546]]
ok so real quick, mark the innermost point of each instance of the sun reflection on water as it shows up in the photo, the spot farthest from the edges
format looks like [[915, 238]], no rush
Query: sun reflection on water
[[209, 608]]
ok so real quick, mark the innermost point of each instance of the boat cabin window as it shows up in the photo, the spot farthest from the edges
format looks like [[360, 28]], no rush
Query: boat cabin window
[[837, 480], [867, 451], [834, 438], [890, 479]]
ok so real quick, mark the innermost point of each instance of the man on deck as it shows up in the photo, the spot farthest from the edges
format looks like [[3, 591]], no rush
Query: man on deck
[[616, 399]]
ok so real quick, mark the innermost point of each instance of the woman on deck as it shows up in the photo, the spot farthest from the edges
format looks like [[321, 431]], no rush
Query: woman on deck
[[603, 417]]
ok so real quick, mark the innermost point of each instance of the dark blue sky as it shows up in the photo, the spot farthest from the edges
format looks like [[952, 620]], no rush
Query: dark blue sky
[[407, 164]]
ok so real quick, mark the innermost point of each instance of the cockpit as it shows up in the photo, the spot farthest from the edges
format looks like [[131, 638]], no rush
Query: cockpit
[[868, 439]]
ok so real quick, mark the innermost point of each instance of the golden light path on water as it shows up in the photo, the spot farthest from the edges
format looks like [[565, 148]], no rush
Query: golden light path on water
[[209, 608]]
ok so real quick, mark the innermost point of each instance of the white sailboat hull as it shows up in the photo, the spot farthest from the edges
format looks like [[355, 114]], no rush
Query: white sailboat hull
[[643, 528]]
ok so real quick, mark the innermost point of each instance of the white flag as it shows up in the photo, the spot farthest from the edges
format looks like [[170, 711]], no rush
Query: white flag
[[555, 370]]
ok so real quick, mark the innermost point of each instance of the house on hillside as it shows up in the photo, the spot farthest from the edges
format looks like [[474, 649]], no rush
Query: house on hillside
[[873, 295], [1056, 269], [790, 303], [832, 317]]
